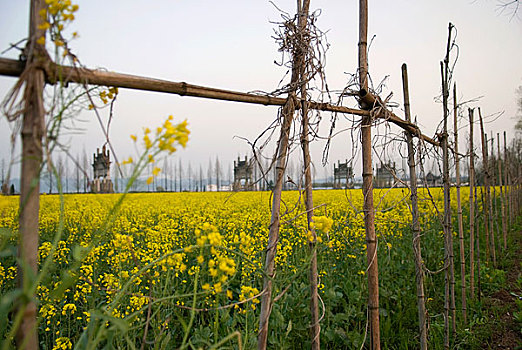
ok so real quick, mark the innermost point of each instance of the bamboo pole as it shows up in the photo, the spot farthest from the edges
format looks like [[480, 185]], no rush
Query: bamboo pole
[[314, 298], [489, 202], [459, 206], [518, 185], [509, 187], [32, 154], [315, 328], [9, 67], [419, 272], [448, 249], [485, 206], [493, 203], [479, 285], [275, 222], [471, 207], [506, 181], [273, 235], [449, 297], [502, 194], [369, 214]]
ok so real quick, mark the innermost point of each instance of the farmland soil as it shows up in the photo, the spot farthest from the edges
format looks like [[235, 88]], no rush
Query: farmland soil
[[505, 330]]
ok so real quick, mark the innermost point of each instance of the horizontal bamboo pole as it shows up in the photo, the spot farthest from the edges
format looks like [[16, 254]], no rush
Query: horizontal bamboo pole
[[368, 102], [14, 68]]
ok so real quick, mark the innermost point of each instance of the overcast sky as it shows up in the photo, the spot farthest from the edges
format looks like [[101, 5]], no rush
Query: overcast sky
[[228, 44]]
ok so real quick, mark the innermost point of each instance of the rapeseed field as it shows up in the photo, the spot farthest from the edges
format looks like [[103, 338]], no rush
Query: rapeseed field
[[185, 269]]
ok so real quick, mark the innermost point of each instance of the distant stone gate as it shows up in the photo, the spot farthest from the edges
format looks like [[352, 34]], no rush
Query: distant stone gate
[[343, 175], [101, 165], [243, 171]]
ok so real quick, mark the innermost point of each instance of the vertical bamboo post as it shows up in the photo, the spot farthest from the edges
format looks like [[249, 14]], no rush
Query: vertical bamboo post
[[287, 114], [502, 194], [485, 206], [489, 203], [315, 328], [449, 296], [506, 181], [459, 206], [471, 207], [447, 211], [273, 234], [516, 182], [509, 186], [369, 214], [32, 153], [493, 203], [314, 299], [479, 286], [518, 185], [513, 182], [419, 272]]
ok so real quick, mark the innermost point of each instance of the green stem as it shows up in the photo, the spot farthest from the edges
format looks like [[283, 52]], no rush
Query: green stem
[[192, 311]]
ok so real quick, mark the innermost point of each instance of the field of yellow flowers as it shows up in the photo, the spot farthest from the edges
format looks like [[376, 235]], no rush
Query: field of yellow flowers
[[185, 269]]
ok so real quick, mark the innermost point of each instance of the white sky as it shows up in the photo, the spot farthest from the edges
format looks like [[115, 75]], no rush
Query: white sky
[[227, 44]]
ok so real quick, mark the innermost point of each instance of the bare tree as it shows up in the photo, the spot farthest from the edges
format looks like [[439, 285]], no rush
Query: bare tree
[[66, 174], [4, 184], [173, 170], [189, 177], [218, 172], [200, 178], [77, 173], [60, 169], [511, 7], [165, 174], [85, 166], [209, 173], [180, 173], [518, 125], [49, 176]]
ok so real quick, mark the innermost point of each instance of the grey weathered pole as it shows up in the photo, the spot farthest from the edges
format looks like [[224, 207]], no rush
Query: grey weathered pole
[[32, 132], [490, 240], [506, 180], [506, 183], [502, 194], [449, 291], [459, 206], [486, 185], [471, 207], [419, 272], [493, 201], [368, 208], [447, 210]]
